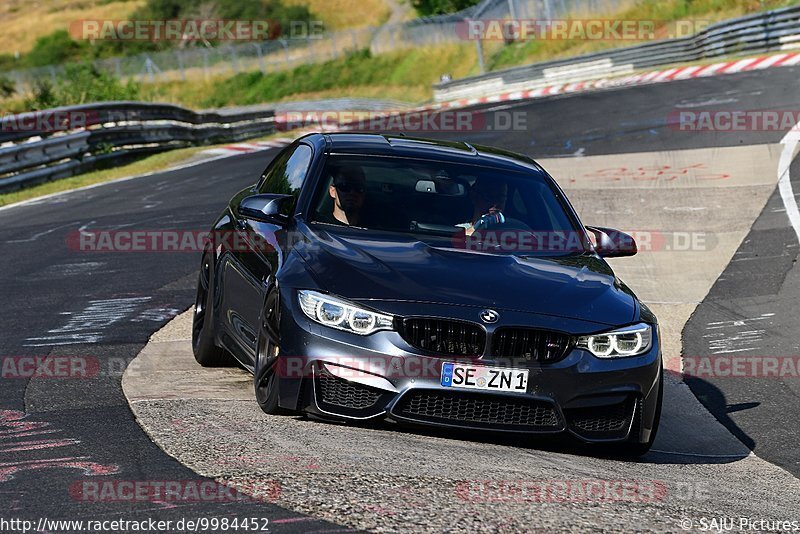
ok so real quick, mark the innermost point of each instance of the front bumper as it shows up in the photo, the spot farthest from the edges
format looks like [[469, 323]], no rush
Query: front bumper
[[339, 375]]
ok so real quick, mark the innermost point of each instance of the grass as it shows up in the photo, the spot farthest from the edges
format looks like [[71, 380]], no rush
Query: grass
[[24, 21], [343, 14], [405, 75], [202, 92], [661, 11], [165, 160]]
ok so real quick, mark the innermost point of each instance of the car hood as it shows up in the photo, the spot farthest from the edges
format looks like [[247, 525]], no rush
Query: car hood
[[360, 265]]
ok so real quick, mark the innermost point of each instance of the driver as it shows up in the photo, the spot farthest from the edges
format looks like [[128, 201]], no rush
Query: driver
[[348, 191], [488, 198]]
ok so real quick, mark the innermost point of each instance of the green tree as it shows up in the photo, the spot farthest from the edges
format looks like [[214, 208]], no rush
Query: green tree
[[42, 95], [55, 48], [7, 86], [441, 7], [83, 83], [270, 10]]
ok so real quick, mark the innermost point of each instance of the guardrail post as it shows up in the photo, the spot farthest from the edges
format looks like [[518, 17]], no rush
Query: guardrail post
[[478, 50], [512, 10], [148, 67], [180, 65], [548, 11], [310, 50], [285, 46], [19, 81], [235, 58], [260, 58]]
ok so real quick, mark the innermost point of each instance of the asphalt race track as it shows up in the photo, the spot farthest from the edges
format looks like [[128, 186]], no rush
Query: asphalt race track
[[104, 307]]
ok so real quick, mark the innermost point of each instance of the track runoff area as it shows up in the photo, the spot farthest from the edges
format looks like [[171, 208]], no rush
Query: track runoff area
[[711, 207]]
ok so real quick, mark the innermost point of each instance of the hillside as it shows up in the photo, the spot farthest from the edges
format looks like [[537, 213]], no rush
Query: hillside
[[24, 21]]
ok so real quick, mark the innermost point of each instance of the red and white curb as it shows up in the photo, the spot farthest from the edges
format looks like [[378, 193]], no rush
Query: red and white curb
[[659, 76], [245, 148], [645, 78]]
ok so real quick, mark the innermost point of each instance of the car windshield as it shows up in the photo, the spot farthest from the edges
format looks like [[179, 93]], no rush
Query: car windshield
[[477, 207]]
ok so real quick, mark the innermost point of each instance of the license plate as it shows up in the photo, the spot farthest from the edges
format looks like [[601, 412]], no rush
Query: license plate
[[455, 375]]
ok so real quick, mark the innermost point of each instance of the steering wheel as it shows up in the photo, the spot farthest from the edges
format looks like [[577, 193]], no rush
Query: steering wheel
[[489, 220]]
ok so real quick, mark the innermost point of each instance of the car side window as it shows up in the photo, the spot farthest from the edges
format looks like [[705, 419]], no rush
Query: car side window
[[287, 174], [518, 203]]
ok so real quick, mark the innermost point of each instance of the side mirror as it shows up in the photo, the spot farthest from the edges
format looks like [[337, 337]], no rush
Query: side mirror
[[610, 243], [264, 208]]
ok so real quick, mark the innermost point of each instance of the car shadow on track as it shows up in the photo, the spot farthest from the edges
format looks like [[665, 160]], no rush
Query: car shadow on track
[[688, 433], [714, 400]]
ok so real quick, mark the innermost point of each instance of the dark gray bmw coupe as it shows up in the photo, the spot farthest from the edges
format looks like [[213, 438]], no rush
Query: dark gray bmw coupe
[[426, 282]]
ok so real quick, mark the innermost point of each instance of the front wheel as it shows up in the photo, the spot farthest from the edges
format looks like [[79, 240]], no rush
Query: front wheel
[[265, 379], [206, 352]]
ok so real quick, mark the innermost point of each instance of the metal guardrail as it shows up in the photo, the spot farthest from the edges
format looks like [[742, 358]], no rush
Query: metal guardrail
[[121, 129], [114, 131], [282, 54], [762, 32]]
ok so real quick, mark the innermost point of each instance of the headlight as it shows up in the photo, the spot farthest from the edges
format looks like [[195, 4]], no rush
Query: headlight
[[628, 341], [340, 314]]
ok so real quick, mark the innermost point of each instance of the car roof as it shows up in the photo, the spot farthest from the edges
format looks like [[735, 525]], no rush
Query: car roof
[[398, 145]]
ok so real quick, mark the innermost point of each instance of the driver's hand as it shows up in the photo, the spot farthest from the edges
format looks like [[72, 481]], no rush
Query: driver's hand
[[488, 220]]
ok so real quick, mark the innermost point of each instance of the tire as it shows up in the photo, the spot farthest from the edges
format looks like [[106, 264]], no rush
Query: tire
[[265, 381], [205, 350], [636, 449]]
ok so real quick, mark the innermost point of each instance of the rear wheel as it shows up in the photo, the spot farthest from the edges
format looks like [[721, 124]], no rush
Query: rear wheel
[[206, 352], [265, 379]]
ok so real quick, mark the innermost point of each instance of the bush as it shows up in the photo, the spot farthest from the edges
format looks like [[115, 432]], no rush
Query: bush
[[42, 95], [7, 86], [8, 62], [59, 47], [55, 48], [271, 10], [440, 7], [81, 83]]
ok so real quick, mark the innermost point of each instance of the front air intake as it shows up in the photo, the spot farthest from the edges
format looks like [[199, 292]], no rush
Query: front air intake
[[445, 337]]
